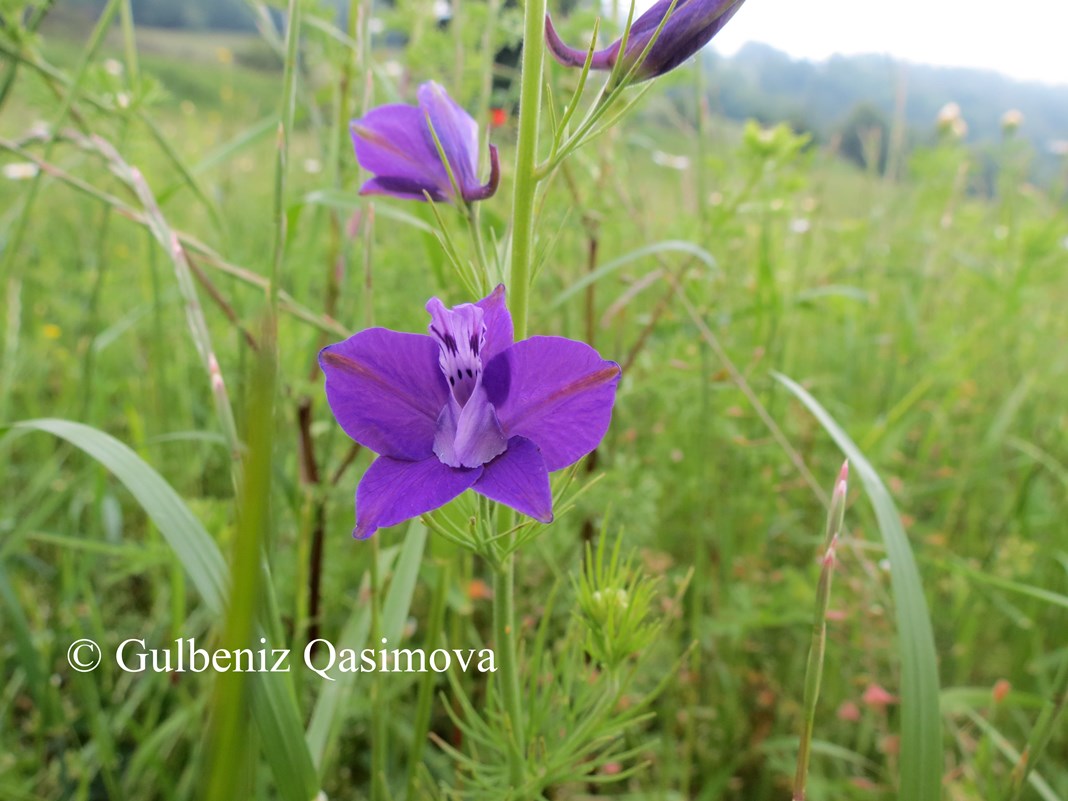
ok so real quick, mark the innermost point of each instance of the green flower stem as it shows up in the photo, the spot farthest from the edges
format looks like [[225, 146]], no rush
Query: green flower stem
[[526, 180], [526, 187], [814, 668], [474, 227]]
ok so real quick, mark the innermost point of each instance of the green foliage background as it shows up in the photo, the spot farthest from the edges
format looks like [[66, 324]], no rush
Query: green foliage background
[[922, 309]]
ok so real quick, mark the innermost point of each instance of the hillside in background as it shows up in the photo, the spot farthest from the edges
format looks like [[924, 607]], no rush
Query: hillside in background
[[833, 99], [762, 82]]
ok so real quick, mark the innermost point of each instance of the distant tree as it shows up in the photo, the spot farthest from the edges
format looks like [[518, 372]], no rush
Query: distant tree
[[233, 15], [865, 137]]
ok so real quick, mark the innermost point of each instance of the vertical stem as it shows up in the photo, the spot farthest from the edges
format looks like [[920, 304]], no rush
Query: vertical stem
[[814, 668], [285, 125], [379, 729], [504, 637], [474, 227], [435, 629], [526, 186], [526, 182]]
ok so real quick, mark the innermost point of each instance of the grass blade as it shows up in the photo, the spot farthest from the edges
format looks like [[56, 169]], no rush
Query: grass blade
[[274, 705], [921, 726], [195, 549]]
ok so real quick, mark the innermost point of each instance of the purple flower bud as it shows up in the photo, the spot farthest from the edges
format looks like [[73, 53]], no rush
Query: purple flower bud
[[395, 142], [690, 26]]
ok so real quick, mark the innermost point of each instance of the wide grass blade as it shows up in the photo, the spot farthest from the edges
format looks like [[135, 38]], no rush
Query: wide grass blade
[[921, 725], [193, 546], [274, 705]]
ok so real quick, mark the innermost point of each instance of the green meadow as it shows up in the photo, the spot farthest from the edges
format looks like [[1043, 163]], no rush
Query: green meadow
[[170, 469]]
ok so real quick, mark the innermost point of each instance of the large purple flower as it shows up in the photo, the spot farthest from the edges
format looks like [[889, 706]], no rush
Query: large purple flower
[[465, 408], [690, 27], [396, 144]]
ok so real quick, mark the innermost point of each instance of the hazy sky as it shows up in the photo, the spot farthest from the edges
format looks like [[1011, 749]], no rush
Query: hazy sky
[[1022, 38]]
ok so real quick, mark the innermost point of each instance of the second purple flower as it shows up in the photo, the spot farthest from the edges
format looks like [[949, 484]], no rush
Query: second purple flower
[[395, 143], [691, 26]]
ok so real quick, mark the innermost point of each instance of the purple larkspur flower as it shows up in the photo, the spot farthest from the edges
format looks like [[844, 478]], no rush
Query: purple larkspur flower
[[396, 144], [465, 408], [691, 25]]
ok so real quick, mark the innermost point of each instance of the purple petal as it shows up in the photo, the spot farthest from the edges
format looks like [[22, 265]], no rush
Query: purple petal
[[393, 491], [403, 188], [488, 189], [456, 130], [469, 436], [573, 57], [554, 391], [498, 322], [691, 26], [394, 143], [386, 390], [519, 478]]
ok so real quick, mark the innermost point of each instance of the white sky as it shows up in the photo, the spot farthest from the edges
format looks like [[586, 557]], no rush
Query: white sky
[[1025, 39]]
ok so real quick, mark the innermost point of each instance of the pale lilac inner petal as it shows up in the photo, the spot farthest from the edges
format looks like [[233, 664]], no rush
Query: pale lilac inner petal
[[469, 436], [460, 333]]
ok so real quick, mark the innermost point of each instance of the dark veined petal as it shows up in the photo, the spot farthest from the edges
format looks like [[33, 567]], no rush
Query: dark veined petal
[[394, 143], [498, 322], [456, 130], [386, 390], [520, 479], [556, 392], [393, 490], [469, 436]]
